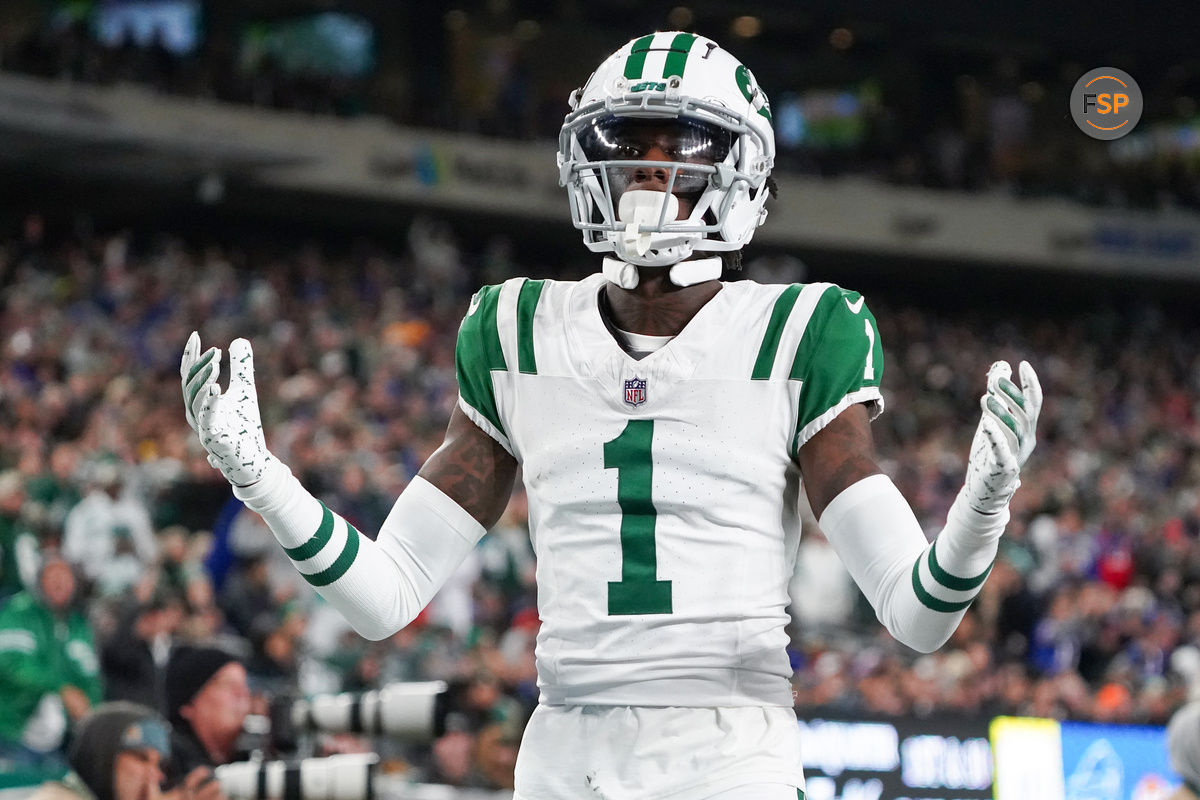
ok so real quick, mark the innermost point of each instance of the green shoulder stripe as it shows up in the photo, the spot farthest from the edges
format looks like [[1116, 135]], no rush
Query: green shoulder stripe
[[810, 340], [478, 352], [527, 300], [839, 354], [770, 342]]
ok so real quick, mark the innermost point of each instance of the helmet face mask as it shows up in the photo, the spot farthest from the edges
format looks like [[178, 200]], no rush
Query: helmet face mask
[[682, 98]]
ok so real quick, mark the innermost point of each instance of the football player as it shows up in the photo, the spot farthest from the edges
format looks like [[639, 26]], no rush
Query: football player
[[664, 423]]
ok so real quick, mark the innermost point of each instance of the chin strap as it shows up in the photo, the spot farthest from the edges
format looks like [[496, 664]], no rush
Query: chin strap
[[685, 273], [622, 273], [688, 273]]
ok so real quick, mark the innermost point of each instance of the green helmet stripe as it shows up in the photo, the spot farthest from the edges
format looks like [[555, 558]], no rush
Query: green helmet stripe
[[681, 45], [637, 58]]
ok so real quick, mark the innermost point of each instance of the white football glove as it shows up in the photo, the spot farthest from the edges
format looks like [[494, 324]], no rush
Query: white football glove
[[228, 423], [1004, 438]]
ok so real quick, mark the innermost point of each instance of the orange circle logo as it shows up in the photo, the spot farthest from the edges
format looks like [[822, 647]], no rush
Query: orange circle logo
[[1106, 103]]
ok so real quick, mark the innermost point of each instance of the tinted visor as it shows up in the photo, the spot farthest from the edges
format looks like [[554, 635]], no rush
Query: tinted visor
[[613, 138]]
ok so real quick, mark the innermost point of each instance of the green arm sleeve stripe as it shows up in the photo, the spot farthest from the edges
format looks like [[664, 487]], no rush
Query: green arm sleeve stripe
[[770, 343], [839, 353], [527, 300], [478, 353], [338, 568], [931, 602], [953, 581], [637, 58], [302, 552], [681, 45]]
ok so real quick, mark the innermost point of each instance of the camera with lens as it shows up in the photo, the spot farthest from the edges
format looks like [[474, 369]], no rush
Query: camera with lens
[[339, 777], [412, 713]]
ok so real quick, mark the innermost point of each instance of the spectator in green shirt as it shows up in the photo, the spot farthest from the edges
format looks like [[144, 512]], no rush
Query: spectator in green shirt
[[49, 672], [18, 546]]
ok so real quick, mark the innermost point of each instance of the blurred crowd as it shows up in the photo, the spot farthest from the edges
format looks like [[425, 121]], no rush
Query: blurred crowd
[[1092, 610], [926, 110]]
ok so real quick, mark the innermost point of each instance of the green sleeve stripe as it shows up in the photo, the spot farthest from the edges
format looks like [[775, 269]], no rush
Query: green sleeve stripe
[[810, 340], [681, 45], [953, 581], [303, 552], [527, 300], [338, 568], [931, 602], [637, 58], [770, 343], [478, 353]]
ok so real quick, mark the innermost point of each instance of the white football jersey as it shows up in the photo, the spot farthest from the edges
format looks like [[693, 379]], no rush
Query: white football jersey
[[662, 491]]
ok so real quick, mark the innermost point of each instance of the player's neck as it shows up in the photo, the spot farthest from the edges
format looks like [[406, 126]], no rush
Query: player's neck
[[657, 307]]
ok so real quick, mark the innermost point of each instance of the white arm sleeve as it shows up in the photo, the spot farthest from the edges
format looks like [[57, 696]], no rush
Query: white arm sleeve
[[919, 590], [380, 586]]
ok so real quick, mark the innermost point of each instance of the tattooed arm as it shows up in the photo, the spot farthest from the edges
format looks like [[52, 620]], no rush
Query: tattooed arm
[[837, 457], [919, 590], [472, 469], [380, 586]]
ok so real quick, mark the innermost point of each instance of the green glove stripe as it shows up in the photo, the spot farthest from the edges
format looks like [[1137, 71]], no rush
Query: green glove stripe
[[194, 388], [201, 364], [954, 582], [303, 552], [338, 568], [931, 602], [1005, 417], [1010, 389]]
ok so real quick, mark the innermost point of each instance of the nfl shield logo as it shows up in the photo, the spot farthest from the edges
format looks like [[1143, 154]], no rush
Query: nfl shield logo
[[635, 391]]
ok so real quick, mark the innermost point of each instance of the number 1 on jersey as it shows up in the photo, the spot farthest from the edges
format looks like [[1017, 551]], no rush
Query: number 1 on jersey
[[639, 591]]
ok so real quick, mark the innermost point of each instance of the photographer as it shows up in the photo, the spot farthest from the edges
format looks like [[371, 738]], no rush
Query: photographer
[[208, 699], [117, 754]]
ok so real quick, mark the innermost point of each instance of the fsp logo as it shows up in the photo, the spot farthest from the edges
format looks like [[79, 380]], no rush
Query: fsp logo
[[1106, 103]]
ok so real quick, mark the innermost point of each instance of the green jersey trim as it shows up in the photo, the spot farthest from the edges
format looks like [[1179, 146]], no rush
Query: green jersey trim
[[478, 353], [839, 361], [770, 343], [527, 300]]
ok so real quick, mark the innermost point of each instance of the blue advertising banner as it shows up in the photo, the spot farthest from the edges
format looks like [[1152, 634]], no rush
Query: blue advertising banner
[[1115, 762]]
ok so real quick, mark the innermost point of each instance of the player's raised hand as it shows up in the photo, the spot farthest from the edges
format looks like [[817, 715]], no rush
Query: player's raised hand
[[228, 422], [1005, 437]]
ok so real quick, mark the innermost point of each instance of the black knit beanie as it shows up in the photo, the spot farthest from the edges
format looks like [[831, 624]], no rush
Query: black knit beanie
[[108, 729], [188, 669]]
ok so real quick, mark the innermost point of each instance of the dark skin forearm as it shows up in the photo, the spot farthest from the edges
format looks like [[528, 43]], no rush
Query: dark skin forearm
[[472, 469], [837, 457]]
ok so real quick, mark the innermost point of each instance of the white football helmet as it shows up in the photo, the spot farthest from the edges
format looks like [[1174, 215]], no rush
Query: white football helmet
[[703, 109]]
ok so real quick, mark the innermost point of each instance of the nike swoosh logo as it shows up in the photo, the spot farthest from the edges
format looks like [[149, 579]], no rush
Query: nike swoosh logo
[[474, 305], [856, 306]]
